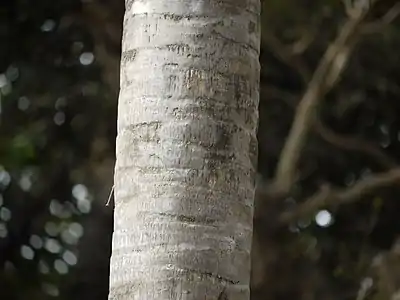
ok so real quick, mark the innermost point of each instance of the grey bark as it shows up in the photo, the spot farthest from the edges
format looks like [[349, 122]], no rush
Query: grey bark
[[186, 150]]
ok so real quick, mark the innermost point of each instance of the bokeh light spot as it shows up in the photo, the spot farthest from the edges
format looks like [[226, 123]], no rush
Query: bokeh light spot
[[323, 218], [55, 207], [70, 258], [59, 118], [79, 191], [60, 266], [51, 229], [3, 80], [3, 230], [25, 182], [5, 177], [23, 103], [12, 73], [84, 206], [86, 58], [48, 25], [5, 214], [76, 229], [50, 289], [60, 103], [36, 241], [53, 246], [43, 267], [27, 252]]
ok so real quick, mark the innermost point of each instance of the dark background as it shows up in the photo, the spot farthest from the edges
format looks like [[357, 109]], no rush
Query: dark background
[[59, 68]]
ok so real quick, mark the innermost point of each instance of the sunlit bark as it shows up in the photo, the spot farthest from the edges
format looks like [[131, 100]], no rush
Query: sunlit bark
[[186, 150]]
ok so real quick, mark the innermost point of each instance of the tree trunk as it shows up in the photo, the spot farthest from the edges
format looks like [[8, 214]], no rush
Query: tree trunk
[[186, 150]]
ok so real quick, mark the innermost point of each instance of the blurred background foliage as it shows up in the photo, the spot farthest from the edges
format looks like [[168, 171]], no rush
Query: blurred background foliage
[[59, 69]]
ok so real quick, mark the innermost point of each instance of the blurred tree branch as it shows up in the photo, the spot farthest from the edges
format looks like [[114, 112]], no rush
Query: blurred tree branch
[[324, 78], [273, 44], [344, 142], [327, 196], [384, 21], [103, 19], [352, 143]]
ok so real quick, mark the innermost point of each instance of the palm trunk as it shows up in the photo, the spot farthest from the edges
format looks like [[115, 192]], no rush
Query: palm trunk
[[186, 150]]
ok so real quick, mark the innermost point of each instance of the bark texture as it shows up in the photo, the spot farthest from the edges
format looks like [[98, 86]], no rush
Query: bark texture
[[186, 150]]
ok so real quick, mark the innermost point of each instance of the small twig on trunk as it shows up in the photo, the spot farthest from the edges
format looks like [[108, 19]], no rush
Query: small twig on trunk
[[109, 196]]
